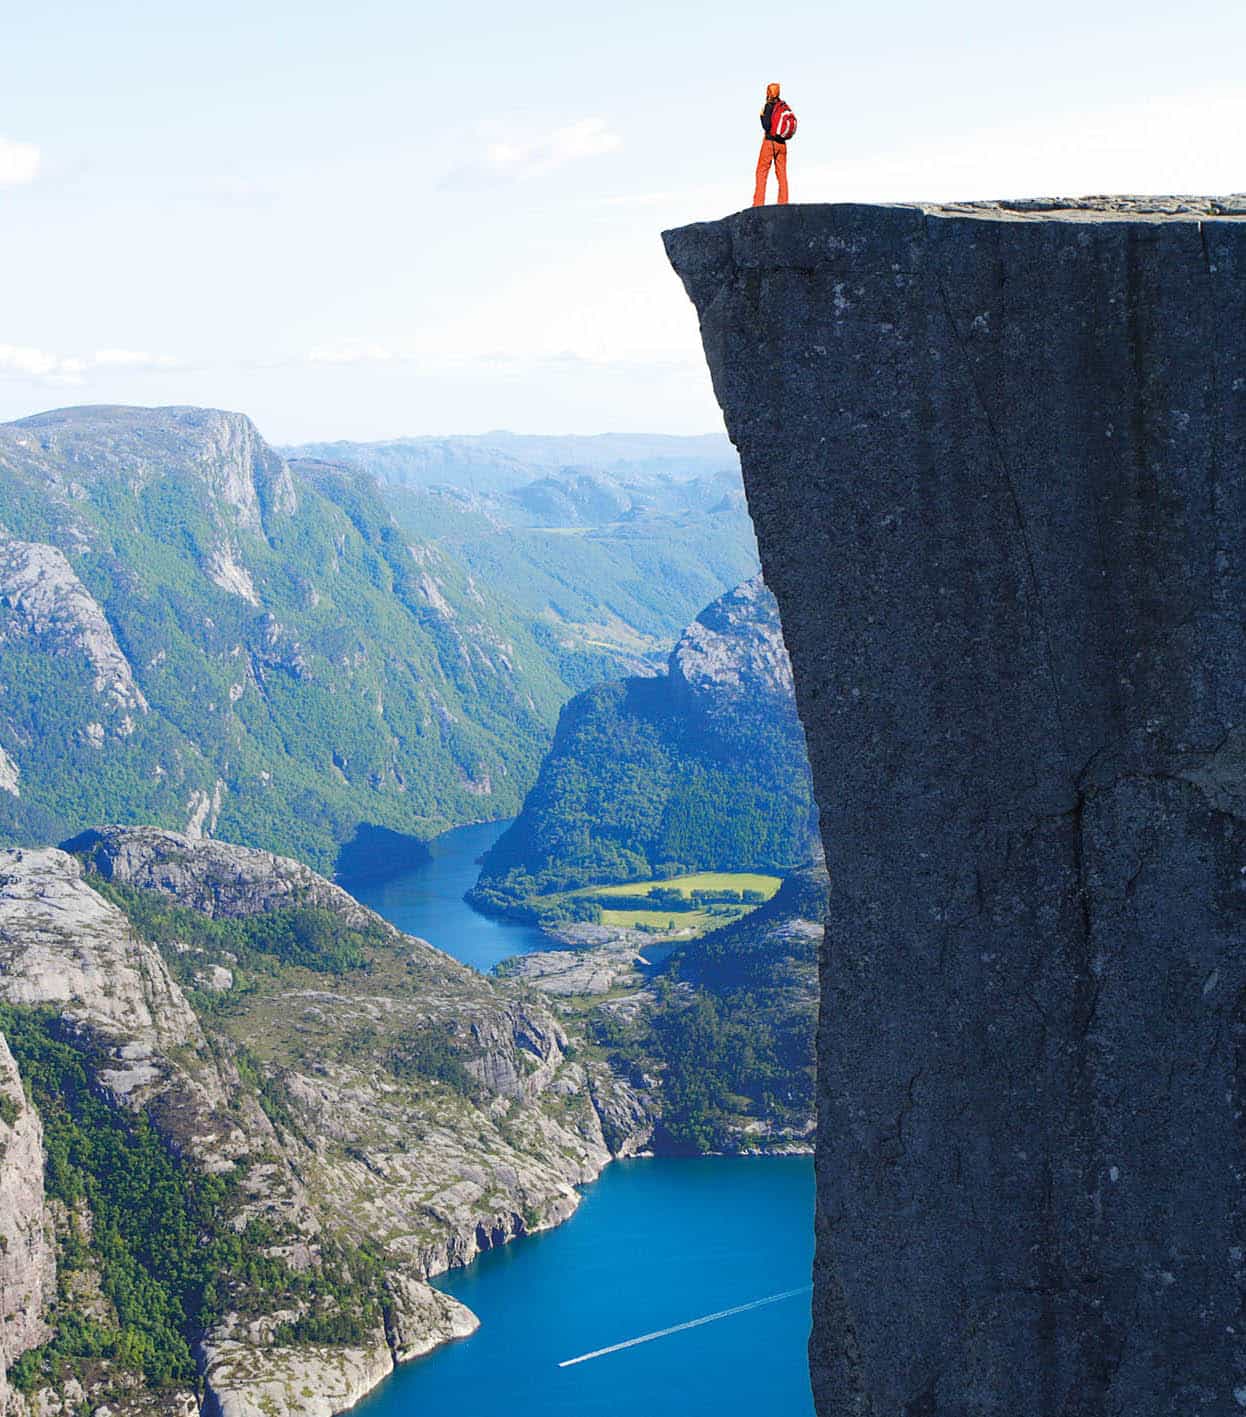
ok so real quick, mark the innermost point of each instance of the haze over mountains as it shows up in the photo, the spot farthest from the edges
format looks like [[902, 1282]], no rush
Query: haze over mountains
[[502, 462], [198, 633], [612, 542]]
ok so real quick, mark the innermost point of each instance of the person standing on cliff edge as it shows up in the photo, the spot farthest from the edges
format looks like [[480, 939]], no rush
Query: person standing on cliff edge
[[778, 124]]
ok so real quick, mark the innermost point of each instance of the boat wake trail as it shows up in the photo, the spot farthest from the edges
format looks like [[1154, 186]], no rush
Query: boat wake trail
[[691, 1323]]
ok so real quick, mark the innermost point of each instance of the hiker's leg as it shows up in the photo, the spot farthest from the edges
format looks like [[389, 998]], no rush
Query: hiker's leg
[[763, 171], [780, 170]]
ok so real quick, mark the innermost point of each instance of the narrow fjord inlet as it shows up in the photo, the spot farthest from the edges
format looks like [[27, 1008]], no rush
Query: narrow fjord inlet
[[656, 1242], [426, 899], [296, 1140]]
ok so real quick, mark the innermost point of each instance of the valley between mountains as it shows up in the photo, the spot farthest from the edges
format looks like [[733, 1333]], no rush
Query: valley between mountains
[[244, 1120]]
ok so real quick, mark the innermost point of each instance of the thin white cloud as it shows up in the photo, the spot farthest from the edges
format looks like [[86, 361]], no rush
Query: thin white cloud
[[24, 362], [590, 137], [42, 366], [133, 359], [19, 163], [509, 156], [353, 352]]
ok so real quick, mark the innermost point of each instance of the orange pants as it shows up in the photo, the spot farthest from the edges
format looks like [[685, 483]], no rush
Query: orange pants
[[771, 152]]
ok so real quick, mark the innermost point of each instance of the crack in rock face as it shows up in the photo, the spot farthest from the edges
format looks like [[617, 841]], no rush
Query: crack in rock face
[[996, 459]]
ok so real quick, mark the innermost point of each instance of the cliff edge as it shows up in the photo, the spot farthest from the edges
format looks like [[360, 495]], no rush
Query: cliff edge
[[996, 459]]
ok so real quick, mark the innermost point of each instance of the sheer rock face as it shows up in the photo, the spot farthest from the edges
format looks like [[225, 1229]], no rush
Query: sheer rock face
[[27, 1254], [996, 458], [239, 473]]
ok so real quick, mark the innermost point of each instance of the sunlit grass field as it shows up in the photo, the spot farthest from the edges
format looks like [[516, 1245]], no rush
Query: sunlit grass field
[[662, 919], [700, 881]]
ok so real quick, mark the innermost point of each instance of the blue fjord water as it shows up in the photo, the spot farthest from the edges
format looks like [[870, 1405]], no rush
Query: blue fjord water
[[655, 1244], [427, 901]]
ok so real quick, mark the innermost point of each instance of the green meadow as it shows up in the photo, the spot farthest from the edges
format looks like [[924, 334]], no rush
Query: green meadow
[[681, 905]]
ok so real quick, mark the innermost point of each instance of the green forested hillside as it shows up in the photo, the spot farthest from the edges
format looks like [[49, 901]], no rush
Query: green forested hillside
[[703, 768], [622, 571], [197, 635]]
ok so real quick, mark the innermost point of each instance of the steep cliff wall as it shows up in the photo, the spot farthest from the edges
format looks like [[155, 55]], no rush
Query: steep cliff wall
[[996, 458], [27, 1257]]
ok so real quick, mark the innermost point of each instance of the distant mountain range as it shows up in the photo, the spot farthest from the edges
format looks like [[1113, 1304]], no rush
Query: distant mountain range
[[197, 632], [502, 462], [612, 542]]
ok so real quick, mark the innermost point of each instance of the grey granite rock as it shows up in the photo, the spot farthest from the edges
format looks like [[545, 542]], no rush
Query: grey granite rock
[[996, 457], [9, 774], [215, 877], [45, 602], [733, 651], [27, 1248]]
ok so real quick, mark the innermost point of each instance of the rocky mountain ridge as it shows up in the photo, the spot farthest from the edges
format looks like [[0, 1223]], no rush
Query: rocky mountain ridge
[[198, 633], [217, 638], [397, 1106]]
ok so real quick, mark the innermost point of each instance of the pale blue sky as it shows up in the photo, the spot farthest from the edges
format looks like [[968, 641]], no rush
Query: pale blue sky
[[369, 219]]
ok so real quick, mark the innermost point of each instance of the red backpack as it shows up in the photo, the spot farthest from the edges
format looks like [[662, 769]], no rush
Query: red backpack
[[782, 121]]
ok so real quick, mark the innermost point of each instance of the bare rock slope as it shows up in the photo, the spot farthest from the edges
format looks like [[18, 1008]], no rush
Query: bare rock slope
[[27, 1253], [996, 457], [395, 1106]]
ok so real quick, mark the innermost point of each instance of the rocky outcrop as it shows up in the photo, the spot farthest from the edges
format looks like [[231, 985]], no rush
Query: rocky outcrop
[[733, 653], [45, 601], [243, 1380], [9, 775], [27, 1252], [995, 457], [594, 966], [62, 946], [419, 1318], [217, 878], [224, 569]]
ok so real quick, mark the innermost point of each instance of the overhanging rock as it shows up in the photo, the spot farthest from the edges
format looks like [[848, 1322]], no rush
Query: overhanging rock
[[996, 457]]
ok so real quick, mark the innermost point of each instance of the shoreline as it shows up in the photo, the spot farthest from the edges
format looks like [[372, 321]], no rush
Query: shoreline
[[401, 1364], [375, 1378]]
